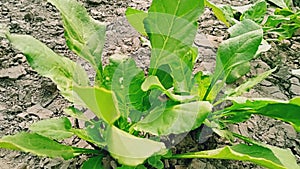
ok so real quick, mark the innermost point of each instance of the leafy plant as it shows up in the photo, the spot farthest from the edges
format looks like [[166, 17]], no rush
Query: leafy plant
[[284, 21], [135, 110]]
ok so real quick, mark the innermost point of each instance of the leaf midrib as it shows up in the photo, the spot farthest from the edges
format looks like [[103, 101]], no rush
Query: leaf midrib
[[167, 37]]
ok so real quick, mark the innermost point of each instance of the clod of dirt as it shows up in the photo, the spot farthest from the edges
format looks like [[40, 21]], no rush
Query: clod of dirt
[[13, 72], [38, 111]]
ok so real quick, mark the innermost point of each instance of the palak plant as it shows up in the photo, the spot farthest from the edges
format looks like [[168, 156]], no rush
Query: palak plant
[[135, 111]]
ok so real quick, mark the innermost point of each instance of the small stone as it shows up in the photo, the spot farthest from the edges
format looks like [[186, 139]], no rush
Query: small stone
[[196, 164], [290, 131], [243, 130], [13, 72], [295, 81], [180, 167], [39, 111], [295, 89], [22, 166], [94, 1], [2, 107], [296, 46], [286, 42]]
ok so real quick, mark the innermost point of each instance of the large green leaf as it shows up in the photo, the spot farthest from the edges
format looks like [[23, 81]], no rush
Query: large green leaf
[[57, 129], [171, 26], [241, 47], [100, 101], [175, 119], [84, 35], [136, 18], [93, 163], [266, 156], [131, 150], [64, 72], [242, 108], [127, 86], [40, 145]]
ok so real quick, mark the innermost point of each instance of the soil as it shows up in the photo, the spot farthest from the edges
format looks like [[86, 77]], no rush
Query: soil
[[26, 97]]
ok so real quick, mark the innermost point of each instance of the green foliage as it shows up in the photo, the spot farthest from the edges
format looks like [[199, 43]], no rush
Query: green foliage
[[242, 108], [93, 163], [64, 72], [266, 156], [136, 17], [234, 53], [155, 162], [175, 119], [284, 22], [100, 101], [84, 35], [171, 99], [256, 12], [57, 129], [134, 151], [40, 145], [171, 27], [218, 12]]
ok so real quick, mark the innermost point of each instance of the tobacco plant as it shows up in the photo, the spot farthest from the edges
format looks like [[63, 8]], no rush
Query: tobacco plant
[[135, 111], [283, 21]]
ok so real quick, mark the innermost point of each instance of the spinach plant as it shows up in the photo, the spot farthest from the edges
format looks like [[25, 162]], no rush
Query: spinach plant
[[134, 110]]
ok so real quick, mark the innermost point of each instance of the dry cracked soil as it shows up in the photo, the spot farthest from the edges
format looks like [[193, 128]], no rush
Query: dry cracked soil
[[26, 97]]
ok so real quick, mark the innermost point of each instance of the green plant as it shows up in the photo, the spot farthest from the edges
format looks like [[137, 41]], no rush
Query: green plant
[[135, 110], [283, 22]]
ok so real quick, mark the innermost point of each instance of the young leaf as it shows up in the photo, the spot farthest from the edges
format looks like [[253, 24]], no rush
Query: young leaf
[[152, 82], [245, 87], [39, 145], [136, 18], [285, 111], [127, 86], [57, 129], [174, 119], [268, 156], [218, 12], [242, 47], [256, 12], [171, 26], [64, 72], [100, 101], [202, 82], [131, 150], [93, 163], [84, 35], [155, 161]]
